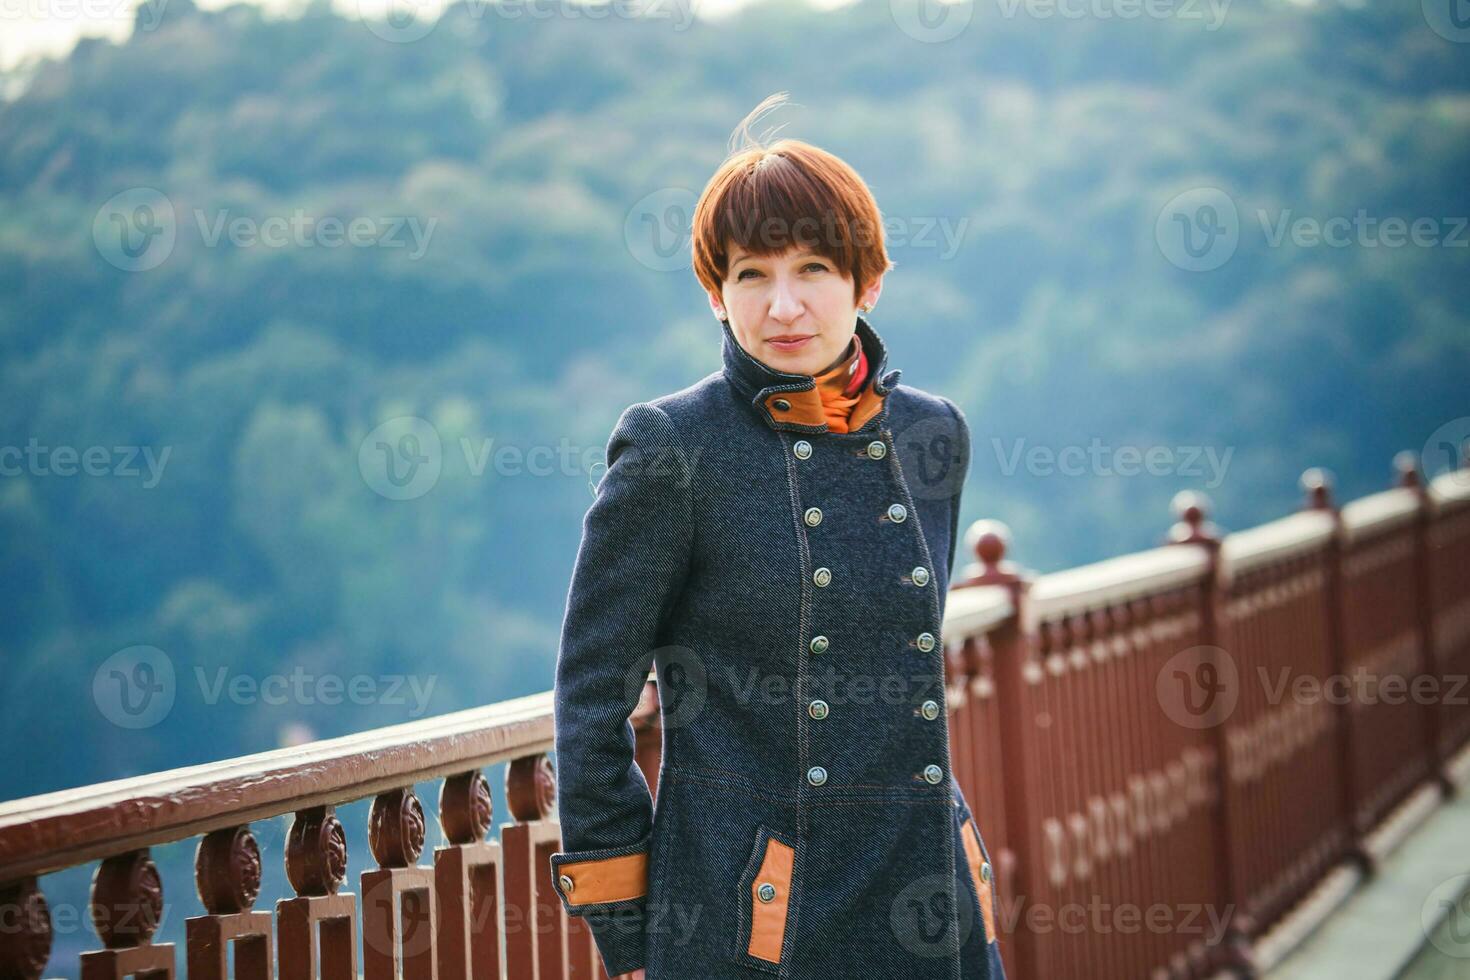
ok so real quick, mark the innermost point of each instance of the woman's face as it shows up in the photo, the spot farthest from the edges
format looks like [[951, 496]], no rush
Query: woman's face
[[799, 295]]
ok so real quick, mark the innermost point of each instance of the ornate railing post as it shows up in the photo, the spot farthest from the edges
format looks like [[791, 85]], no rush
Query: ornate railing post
[[1317, 483], [1407, 466], [1015, 673], [1192, 526]]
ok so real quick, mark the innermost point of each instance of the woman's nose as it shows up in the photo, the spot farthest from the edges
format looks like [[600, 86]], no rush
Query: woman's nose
[[785, 305]]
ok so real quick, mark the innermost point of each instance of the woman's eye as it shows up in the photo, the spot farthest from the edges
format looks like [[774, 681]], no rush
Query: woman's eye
[[816, 265], [743, 272]]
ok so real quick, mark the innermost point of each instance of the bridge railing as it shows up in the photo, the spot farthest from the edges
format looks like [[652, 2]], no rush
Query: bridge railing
[[1192, 754], [1155, 748]]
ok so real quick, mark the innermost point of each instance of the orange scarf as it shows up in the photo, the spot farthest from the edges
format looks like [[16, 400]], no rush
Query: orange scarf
[[840, 384]]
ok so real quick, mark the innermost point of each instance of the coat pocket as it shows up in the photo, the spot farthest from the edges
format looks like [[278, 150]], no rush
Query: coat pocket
[[763, 902], [982, 876]]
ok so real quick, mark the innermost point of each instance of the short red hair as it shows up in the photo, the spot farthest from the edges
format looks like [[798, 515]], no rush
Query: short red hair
[[768, 198]]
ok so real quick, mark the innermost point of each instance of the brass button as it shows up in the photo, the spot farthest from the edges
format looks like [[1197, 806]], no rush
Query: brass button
[[816, 775], [566, 883], [933, 773], [925, 641], [920, 575], [766, 892], [803, 449], [819, 644], [822, 576], [877, 449], [817, 709], [931, 710], [781, 405], [813, 516], [898, 513]]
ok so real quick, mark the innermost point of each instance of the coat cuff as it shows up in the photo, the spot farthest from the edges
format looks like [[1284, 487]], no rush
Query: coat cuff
[[608, 887]]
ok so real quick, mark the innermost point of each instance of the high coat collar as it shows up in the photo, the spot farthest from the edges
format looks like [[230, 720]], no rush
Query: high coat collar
[[791, 401]]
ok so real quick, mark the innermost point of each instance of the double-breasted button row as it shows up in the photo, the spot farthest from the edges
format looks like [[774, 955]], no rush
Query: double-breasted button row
[[802, 448], [822, 577]]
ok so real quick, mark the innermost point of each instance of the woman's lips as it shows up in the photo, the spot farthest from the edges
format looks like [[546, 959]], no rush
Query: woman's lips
[[789, 345]]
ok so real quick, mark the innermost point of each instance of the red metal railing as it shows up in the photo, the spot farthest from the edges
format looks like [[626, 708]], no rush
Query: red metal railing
[[1180, 760]]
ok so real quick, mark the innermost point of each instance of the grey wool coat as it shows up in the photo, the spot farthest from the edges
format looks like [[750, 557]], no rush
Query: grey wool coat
[[787, 583]]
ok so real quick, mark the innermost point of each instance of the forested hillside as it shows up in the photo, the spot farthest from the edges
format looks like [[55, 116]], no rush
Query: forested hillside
[[503, 289]]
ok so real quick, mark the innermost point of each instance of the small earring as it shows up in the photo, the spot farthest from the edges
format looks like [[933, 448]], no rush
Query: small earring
[[866, 308]]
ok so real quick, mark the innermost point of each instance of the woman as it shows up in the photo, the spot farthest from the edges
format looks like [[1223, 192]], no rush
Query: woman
[[776, 541]]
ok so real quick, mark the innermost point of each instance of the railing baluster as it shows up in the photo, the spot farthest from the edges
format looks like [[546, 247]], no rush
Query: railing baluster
[[318, 925], [227, 876], [467, 883], [399, 906], [127, 902]]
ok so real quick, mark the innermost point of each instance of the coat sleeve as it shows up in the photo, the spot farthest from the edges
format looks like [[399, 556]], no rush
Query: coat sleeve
[[959, 483], [630, 567]]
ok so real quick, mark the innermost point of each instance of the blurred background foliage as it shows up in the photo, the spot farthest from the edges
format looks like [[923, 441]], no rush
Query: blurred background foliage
[[529, 321]]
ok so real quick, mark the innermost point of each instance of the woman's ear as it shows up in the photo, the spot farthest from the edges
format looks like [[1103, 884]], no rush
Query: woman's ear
[[871, 294], [717, 306]]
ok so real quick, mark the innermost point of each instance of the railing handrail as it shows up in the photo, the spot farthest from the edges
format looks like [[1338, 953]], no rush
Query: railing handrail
[[1114, 580], [1378, 512], [977, 610], [1265, 544], [39, 834], [1450, 490]]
